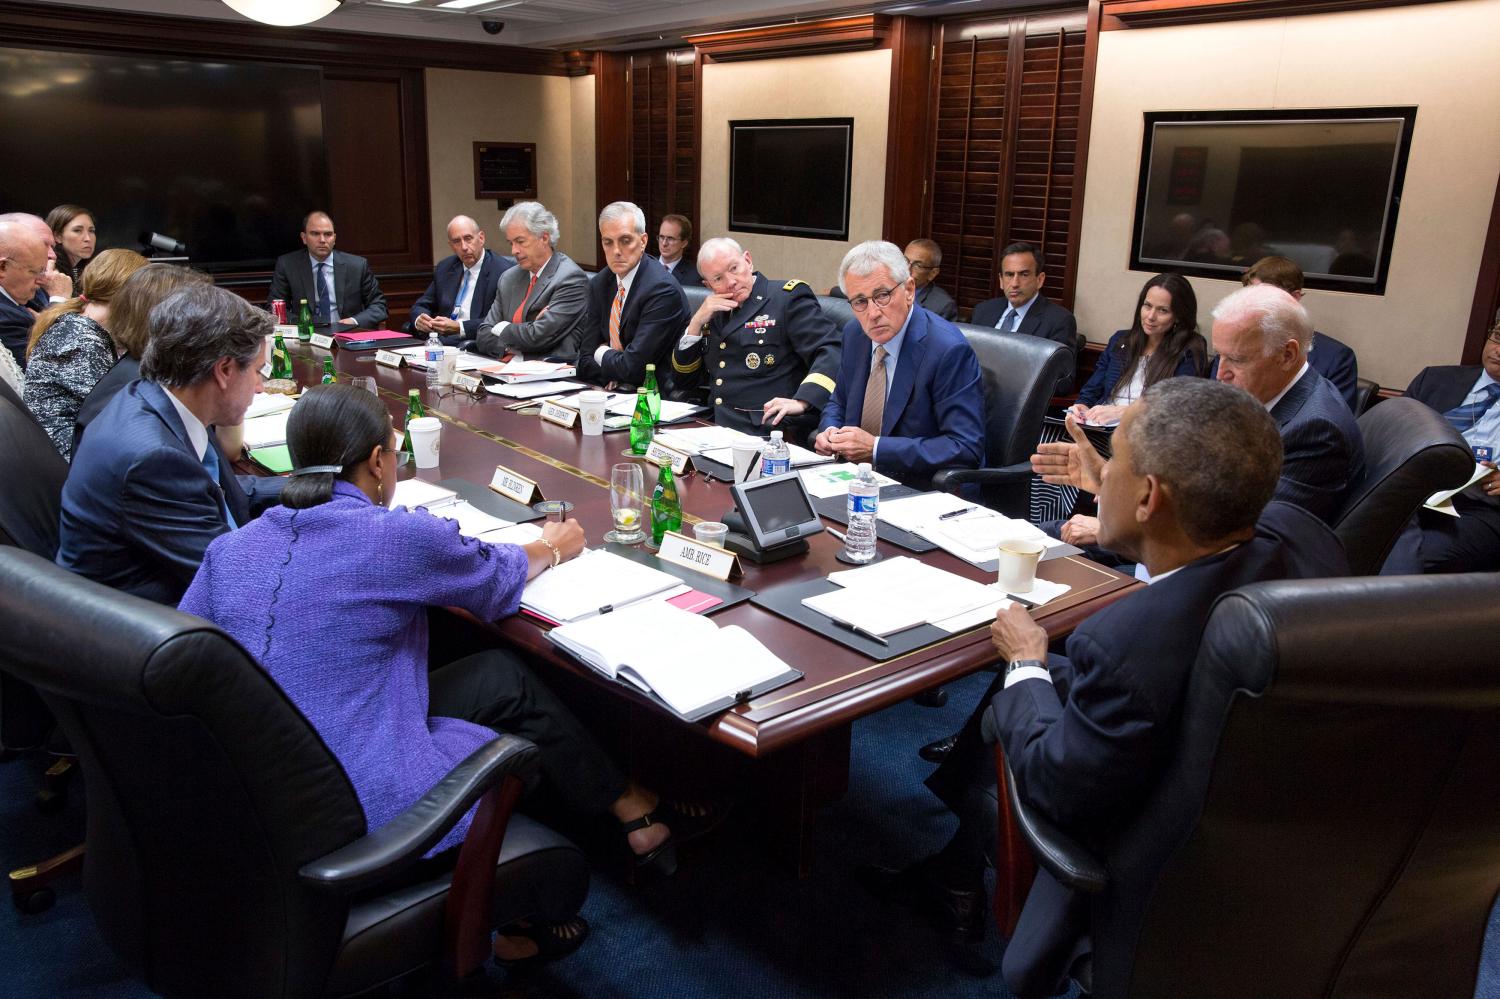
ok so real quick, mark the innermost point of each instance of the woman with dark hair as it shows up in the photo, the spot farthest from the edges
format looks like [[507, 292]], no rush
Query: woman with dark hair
[[330, 593], [71, 347], [1163, 341], [73, 227]]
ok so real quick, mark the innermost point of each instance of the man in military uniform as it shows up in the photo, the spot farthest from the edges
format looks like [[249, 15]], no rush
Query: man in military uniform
[[768, 354]]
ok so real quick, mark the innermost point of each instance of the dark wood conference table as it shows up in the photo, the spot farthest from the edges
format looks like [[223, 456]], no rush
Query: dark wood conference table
[[798, 735]]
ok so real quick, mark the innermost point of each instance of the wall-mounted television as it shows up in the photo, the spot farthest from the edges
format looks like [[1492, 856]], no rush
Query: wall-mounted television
[[1218, 190], [223, 155], [790, 176]]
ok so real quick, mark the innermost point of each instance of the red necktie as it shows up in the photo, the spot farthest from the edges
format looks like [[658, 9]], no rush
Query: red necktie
[[521, 309]]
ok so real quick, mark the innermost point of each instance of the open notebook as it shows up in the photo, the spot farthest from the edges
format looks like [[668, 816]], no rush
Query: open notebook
[[685, 661]]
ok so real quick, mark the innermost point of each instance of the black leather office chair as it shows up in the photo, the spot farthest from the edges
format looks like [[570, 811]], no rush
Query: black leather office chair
[[1411, 452], [695, 295], [1020, 373], [228, 854], [1327, 824], [1366, 393], [836, 309]]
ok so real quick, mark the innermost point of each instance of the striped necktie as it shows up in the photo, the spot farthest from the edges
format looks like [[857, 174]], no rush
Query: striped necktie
[[521, 309], [872, 413], [1466, 416], [614, 318], [324, 305]]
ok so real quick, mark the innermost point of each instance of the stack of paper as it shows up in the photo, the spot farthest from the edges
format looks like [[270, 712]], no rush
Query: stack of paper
[[671, 411], [266, 431], [528, 371], [472, 521], [1442, 502], [266, 403], [901, 593], [595, 582], [416, 357], [823, 481], [697, 668], [531, 390], [972, 532], [716, 443]]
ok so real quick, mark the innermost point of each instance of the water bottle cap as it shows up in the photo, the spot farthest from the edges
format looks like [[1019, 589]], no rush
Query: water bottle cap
[[864, 466], [776, 435]]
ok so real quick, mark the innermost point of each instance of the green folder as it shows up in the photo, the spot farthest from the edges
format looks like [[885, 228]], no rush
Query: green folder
[[273, 459]]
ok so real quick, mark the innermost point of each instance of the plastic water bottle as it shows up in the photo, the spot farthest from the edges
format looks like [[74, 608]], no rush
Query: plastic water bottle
[[775, 457], [864, 499], [433, 354]]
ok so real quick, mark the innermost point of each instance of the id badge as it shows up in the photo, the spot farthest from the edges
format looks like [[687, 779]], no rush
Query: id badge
[[1483, 452]]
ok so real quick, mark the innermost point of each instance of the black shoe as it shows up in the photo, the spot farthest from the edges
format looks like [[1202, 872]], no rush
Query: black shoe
[[958, 912], [553, 941], [936, 697], [937, 752]]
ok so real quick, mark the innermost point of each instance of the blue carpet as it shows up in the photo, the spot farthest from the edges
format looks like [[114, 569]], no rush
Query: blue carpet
[[733, 922]]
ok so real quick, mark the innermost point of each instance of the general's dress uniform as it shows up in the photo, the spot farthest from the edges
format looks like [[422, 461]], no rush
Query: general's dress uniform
[[778, 344]]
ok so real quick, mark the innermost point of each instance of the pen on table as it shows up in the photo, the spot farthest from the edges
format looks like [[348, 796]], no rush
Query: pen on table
[[1022, 601], [839, 534], [860, 631], [957, 513]]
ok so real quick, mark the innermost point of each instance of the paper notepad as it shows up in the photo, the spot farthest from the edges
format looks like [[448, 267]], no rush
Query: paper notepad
[[900, 593], [266, 403], [1438, 500], [973, 534], [595, 582], [472, 522], [694, 667], [266, 431]]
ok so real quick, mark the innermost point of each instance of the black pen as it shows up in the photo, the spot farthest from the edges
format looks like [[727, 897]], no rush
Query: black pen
[[860, 631], [1022, 601], [957, 513]]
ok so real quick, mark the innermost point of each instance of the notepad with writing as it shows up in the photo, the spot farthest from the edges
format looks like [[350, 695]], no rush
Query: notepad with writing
[[595, 582], [685, 661]]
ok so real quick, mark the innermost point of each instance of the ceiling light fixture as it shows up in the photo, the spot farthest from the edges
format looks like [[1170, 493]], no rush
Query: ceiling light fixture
[[284, 13]]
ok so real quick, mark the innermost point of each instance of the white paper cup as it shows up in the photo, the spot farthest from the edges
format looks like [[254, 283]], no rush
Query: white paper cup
[[1018, 561], [746, 462], [449, 366], [425, 432], [591, 412], [711, 532]]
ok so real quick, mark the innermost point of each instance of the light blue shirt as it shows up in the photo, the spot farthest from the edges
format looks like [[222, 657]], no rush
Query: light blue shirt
[[1486, 430], [892, 353], [327, 283], [1017, 319]]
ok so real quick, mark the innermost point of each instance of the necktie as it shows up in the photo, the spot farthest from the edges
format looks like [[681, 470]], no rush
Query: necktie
[[872, 414], [1466, 416], [211, 465], [614, 319], [1007, 321], [323, 304], [463, 286], [521, 309]]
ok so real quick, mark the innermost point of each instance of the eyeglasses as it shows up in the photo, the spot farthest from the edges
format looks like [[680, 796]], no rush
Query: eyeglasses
[[1494, 336], [881, 298], [920, 265], [664, 238], [401, 456]]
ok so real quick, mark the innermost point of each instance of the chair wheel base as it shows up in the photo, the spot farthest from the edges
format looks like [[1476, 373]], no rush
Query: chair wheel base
[[34, 902]]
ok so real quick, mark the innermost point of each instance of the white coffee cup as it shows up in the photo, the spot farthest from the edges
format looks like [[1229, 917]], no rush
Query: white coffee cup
[[1018, 561], [746, 462], [591, 406], [449, 366], [425, 432]]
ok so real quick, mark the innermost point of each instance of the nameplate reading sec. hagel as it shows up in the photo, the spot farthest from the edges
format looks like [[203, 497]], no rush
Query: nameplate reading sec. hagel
[[711, 560], [515, 486]]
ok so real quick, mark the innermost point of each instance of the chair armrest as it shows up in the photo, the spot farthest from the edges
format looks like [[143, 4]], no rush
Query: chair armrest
[[401, 842], [1063, 857], [949, 479]]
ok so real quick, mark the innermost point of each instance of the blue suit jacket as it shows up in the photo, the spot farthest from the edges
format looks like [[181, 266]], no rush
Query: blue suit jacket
[[1087, 748], [442, 293], [16, 322], [1112, 365], [1334, 360], [934, 409], [139, 508], [653, 317], [1323, 452]]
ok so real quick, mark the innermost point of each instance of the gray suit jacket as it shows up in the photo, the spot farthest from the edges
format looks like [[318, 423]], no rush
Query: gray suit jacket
[[358, 296], [561, 293]]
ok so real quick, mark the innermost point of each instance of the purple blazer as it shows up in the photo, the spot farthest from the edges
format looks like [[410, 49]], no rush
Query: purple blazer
[[332, 600]]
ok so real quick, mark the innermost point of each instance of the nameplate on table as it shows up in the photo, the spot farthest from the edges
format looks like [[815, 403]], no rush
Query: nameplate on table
[[322, 340], [286, 330], [265, 370], [560, 415], [659, 454], [467, 383], [515, 486], [711, 560], [389, 358]]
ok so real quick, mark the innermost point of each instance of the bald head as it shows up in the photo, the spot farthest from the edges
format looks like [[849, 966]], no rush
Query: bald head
[[466, 239], [23, 255]]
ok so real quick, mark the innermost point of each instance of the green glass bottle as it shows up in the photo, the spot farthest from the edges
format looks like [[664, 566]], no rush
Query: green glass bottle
[[666, 509], [642, 425], [304, 322], [653, 394], [329, 375], [281, 361], [414, 411]]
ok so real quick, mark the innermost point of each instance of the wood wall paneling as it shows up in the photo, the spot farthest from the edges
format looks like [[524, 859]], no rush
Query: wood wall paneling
[[611, 134], [834, 34], [910, 129], [664, 129], [1117, 14]]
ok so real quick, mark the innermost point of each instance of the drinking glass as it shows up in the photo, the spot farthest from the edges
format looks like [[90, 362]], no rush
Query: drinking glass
[[365, 382], [626, 503]]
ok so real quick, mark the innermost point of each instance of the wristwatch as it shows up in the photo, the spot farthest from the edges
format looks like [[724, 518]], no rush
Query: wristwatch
[[1020, 663]]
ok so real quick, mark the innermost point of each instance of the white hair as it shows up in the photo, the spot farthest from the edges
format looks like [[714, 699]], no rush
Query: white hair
[[864, 258], [719, 246], [617, 210], [535, 217], [1277, 315], [17, 232]]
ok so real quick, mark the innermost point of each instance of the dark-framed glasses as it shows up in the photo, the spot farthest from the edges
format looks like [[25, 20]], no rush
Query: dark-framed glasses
[[401, 456], [881, 298]]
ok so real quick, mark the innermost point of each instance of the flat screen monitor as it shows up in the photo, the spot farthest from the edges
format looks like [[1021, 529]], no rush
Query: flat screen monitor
[[1219, 190], [776, 510], [225, 156], [791, 176]]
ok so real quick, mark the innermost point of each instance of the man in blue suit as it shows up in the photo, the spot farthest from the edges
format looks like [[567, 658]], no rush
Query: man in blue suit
[[636, 309], [462, 289], [908, 397], [1261, 335], [149, 489], [1088, 734]]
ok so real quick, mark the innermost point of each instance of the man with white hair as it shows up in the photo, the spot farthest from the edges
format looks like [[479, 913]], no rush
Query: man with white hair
[[909, 398], [463, 286], [635, 306], [1261, 335], [28, 278], [767, 351], [541, 305]]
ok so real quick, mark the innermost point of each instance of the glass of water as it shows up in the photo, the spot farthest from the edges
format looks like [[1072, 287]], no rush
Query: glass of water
[[626, 503], [365, 382]]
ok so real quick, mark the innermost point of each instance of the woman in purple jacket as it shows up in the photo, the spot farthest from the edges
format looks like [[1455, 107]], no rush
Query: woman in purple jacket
[[330, 593]]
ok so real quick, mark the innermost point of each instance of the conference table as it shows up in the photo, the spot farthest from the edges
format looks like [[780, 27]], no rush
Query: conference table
[[790, 746]]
